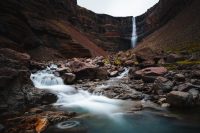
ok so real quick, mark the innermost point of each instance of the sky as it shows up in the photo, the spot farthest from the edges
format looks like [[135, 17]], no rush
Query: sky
[[118, 7]]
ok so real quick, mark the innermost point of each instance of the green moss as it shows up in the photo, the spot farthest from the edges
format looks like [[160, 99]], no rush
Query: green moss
[[170, 66], [117, 61], [189, 47], [106, 61], [188, 62]]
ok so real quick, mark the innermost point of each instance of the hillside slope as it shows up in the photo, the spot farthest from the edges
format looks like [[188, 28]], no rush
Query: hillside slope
[[179, 34]]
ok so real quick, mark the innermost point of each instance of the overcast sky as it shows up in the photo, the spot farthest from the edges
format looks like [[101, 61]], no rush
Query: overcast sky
[[118, 7]]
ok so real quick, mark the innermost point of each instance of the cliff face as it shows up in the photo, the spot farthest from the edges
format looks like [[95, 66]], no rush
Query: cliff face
[[60, 28], [171, 25], [159, 15]]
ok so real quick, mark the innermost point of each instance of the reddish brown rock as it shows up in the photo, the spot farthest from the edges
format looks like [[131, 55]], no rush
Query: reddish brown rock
[[151, 71]]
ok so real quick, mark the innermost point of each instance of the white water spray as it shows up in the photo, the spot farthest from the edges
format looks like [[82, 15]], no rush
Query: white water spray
[[70, 97], [134, 33]]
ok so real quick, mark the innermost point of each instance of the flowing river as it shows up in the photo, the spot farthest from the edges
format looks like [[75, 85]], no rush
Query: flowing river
[[99, 114]]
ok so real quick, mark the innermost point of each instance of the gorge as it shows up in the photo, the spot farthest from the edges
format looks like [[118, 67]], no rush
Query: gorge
[[64, 68]]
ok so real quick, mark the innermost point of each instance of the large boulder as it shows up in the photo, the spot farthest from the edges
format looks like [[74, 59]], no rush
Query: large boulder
[[69, 78], [149, 74], [162, 85], [180, 99], [84, 70]]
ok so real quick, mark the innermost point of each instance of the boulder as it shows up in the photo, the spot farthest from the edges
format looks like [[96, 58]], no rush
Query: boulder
[[48, 98], [183, 87], [194, 93], [180, 99], [69, 78], [113, 73], [163, 85], [101, 73], [179, 77], [172, 58], [151, 71]]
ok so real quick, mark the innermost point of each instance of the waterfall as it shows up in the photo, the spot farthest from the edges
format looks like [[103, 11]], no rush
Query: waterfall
[[134, 33]]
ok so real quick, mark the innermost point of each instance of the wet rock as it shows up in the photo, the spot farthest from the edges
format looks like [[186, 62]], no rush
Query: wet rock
[[35, 122], [165, 105], [162, 101], [69, 78], [41, 124], [113, 73], [163, 84], [179, 99], [180, 77], [194, 93], [49, 98], [64, 70], [137, 107]]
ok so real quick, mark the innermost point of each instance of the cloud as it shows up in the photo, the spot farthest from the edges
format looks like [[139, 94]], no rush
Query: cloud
[[118, 7]]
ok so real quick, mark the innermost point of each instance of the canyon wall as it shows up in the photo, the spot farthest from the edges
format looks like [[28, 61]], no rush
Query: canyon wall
[[60, 28], [171, 25]]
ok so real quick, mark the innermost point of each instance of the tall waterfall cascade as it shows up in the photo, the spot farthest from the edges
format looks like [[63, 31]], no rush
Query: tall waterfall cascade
[[134, 33]]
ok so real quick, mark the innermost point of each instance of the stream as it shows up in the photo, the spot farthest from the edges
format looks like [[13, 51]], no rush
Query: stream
[[99, 114]]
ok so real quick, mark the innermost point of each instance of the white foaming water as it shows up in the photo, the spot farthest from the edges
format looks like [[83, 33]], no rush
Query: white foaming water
[[134, 33], [123, 74], [68, 96]]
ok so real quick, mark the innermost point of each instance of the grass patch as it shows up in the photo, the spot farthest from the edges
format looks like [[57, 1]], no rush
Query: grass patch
[[188, 62]]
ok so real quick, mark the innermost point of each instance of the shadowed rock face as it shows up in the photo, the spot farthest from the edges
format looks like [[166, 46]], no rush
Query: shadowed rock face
[[159, 15], [32, 24]]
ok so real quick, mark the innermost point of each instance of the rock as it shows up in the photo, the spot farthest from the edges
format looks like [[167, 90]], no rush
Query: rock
[[1, 128], [35, 122], [113, 73], [64, 70], [179, 99], [172, 58], [129, 63], [7, 75], [41, 125], [12, 54], [48, 98], [183, 87], [163, 84], [162, 101], [131, 73], [69, 78], [195, 74], [35, 110], [165, 105], [151, 71], [101, 73], [180, 77], [194, 93], [148, 79]]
